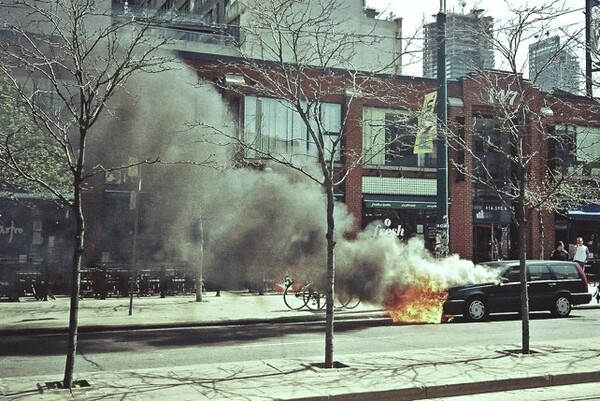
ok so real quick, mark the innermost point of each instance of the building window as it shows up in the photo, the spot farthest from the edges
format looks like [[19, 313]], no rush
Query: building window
[[562, 149], [389, 139], [460, 153], [579, 148], [272, 127], [587, 145], [234, 29], [492, 155]]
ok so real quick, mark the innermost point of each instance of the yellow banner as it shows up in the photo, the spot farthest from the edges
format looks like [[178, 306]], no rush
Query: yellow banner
[[427, 126]]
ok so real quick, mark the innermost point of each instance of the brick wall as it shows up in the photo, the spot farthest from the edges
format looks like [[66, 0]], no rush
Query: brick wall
[[407, 93]]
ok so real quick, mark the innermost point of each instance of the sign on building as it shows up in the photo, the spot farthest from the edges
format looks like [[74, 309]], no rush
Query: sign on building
[[427, 126]]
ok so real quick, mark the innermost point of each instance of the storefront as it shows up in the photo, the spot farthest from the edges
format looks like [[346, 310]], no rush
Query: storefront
[[584, 222], [493, 232], [406, 216], [36, 242]]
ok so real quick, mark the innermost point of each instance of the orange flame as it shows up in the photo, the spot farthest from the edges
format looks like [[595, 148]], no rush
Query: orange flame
[[415, 304]]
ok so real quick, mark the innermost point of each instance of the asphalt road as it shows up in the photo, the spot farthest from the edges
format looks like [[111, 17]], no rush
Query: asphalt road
[[29, 355]]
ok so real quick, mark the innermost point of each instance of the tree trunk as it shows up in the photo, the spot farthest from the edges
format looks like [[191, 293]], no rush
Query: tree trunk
[[329, 314], [523, 277], [75, 286]]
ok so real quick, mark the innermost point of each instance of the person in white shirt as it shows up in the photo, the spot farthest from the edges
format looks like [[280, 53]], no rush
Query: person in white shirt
[[581, 253]]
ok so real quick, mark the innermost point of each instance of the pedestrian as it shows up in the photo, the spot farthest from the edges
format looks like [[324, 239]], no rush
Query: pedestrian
[[100, 283], [164, 282], [581, 253], [559, 252], [593, 246]]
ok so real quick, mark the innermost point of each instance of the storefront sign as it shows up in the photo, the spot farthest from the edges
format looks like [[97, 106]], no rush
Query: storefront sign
[[400, 205], [387, 229], [10, 231], [491, 213]]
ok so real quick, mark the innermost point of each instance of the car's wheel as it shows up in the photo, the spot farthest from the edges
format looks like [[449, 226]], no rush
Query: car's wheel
[[561, 306], [476, 310]]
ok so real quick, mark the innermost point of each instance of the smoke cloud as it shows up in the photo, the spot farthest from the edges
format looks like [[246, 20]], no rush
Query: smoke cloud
[[377, 261], [251, 224], [255, 224]]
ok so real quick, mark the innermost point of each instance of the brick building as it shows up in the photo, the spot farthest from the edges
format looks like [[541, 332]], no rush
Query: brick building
[[398, 188]]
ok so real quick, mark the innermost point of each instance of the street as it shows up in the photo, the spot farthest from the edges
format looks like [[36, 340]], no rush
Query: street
[[28, 355]]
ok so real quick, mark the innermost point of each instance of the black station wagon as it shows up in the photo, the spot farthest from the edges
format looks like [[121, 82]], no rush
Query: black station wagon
[[552, 285]]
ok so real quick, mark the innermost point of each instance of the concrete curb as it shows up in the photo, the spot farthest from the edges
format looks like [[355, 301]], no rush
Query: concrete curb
[[461, 389], [375, 318]]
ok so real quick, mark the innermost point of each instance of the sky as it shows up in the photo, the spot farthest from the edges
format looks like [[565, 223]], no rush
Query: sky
[[413, 13]]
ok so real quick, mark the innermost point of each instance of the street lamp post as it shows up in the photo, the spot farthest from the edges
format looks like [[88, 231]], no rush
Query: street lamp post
[[134, 204]]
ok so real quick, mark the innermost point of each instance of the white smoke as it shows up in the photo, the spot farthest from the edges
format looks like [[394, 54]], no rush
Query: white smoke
[[375, 261]]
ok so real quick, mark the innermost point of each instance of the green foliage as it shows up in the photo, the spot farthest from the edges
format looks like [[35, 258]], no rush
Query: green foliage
[[29, 158]]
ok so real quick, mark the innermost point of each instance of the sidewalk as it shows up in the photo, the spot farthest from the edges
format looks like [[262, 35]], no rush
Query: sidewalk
[[30, 315], [403, 375]]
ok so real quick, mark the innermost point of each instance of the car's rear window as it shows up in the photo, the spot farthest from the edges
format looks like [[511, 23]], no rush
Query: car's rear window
[[565, 272]]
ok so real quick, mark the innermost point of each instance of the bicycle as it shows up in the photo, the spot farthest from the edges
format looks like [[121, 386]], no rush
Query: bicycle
[[314, 299], [345, 300], [297, 297], [293, 296]]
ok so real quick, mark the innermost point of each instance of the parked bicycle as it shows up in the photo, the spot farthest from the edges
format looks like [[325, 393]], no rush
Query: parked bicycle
[[346, 300], [297, 296]]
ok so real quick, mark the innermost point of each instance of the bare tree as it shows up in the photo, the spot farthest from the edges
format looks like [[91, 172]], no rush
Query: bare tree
[[65, 59], [517, 155], [301, 58]]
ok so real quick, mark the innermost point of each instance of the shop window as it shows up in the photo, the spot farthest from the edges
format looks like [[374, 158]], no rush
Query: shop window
[[273, 127]]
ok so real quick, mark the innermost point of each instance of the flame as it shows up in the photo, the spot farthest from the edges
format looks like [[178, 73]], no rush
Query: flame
[[415, 304]]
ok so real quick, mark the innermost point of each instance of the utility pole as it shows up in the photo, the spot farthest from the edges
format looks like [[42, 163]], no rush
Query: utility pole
[[442, 228]]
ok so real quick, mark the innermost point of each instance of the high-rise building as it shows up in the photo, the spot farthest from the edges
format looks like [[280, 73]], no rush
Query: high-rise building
[[468, 45], [355, 37], [552, 66]]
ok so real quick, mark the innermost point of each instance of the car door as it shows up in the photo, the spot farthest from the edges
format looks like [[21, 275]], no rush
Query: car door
[[541, 286], [505, 297]]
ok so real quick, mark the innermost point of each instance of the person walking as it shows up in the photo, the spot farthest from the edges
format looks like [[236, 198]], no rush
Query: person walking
[[559, 252], [581, 253]]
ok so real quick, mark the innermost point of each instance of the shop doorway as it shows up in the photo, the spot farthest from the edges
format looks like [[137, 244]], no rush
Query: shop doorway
[[491, 242]]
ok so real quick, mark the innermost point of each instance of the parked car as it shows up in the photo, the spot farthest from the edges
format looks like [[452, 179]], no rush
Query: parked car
[[552, 285]]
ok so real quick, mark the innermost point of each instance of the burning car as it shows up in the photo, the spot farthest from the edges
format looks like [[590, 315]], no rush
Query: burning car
[[552, 285]]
